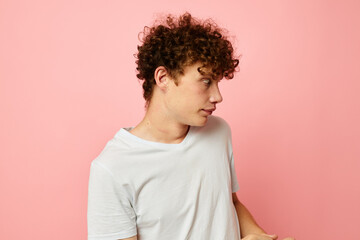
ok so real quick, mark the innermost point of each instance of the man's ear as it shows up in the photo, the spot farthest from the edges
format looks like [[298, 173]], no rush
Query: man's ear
[[162, 78]]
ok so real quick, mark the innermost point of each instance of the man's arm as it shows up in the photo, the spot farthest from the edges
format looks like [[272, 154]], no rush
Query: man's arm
[[132, 238], [248, 226], [249, 229]]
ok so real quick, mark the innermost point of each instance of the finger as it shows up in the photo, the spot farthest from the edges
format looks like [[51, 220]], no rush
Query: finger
[[262, 236], [272, 236], [289, 238]]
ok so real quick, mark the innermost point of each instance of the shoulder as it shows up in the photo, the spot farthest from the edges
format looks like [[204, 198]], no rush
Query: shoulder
[[216, 127], [218, 123], [217, 119], [114, 151]]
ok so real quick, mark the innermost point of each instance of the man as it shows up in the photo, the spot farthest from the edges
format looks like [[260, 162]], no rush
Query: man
[[172, 176]]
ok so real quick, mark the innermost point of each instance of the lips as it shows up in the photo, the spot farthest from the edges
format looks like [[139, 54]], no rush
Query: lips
[[209, 111]]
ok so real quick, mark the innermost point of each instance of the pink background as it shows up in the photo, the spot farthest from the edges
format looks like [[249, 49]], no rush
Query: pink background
[[68, 84]]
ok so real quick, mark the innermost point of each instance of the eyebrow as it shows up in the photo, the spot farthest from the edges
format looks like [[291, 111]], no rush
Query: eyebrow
[[212, 76], [208, 74]]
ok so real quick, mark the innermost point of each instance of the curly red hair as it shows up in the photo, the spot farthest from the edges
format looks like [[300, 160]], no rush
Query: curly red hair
[[180, 42]]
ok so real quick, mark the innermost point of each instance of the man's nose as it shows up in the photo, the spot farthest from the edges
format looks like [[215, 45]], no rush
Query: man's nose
[[216, 95]]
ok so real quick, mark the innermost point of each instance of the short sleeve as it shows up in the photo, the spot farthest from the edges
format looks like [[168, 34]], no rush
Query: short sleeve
[[110, 214], [234, 181]]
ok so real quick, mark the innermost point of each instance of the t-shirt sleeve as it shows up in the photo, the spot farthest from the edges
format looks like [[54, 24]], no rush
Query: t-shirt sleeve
[[110, 214], [234, 181]]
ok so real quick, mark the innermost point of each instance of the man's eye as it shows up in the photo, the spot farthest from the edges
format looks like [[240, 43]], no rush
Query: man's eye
[[207, 81]]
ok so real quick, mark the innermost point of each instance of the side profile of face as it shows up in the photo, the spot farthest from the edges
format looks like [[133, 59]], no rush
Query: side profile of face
[[194, 98]]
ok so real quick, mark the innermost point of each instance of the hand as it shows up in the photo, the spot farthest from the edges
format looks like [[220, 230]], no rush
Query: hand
[[262, 236]]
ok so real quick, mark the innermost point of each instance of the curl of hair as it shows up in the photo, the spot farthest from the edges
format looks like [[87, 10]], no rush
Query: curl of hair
[[180, 42]]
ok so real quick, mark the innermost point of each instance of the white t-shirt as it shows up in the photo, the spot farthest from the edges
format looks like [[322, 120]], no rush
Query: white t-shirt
[[165, 191]]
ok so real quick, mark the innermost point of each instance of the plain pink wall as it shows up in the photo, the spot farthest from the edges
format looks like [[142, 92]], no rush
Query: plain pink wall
[[67, 84]]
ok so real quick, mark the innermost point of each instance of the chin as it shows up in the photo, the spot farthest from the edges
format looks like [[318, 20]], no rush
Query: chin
[[200, 123]]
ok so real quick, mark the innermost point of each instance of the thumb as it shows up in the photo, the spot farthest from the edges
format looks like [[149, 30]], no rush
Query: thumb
[[272, 236]]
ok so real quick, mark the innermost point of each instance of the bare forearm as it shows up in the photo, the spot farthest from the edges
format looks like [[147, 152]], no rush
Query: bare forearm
[[132, 238], [247, 222]]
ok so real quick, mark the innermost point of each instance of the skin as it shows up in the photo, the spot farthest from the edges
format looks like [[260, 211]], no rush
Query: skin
[[250, 230], [173, 108]]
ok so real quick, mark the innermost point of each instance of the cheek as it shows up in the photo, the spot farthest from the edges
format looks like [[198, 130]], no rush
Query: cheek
[[201, 95], [198, 92], [196, 96], [189, 98]]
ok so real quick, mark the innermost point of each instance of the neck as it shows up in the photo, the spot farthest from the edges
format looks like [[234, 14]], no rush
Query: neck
[[158, 127]]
